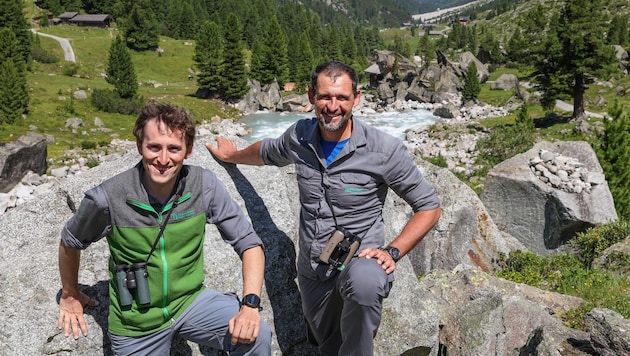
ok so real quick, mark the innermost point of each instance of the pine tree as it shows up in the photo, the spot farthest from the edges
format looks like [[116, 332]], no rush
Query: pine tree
[[140, 27], [614, 155], [209, 57], [270, 58], [120, 71], [585, 55], [305, 62], [234, 77], [14, 85], [11, 93], [12, 17], [426, 50], [471, 83]]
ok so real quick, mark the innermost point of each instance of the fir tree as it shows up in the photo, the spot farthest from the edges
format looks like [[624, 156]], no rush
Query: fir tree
[[271, 59], [614, 155], [11, 93], [12, 17], [120, 71], [471, 83], [14, 84], [234, 77], [140, 27], [305, 62], [209, 57]]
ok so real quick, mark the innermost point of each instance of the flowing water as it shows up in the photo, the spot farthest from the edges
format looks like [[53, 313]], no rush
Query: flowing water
[[273, 124]]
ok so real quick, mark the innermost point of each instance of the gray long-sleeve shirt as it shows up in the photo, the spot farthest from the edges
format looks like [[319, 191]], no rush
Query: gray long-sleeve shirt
[[357, 181]]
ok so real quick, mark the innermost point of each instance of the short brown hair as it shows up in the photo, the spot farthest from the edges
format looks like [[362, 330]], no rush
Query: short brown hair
[[176, 118], [334, 69]]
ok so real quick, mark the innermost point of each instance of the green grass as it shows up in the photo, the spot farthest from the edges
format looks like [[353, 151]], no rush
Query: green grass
[[161, 77]]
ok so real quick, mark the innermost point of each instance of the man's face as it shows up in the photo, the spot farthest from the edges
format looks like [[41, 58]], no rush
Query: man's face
[[334, 100], [163, 153]]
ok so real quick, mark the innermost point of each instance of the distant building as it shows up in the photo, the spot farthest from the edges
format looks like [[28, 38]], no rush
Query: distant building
[[97, 20]]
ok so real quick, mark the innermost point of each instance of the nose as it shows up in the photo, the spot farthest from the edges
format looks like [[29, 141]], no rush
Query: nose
[[162, 157], [332, 104]]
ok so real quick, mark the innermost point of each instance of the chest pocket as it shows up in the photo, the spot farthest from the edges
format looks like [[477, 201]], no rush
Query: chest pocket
[[356, 190], [309, 183]]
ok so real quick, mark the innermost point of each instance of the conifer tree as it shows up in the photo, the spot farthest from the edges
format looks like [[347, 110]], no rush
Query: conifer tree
[[120, 70], [426, 50], [13, 86], [11, 93], [584, 54], [305, 62], [614, 155], [471, 83], [234, 82], [140, 27], [12, 17], [271, 59], [209, 57]]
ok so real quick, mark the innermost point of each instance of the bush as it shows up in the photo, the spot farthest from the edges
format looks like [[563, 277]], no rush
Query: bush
[[88, 145], [592, 242], [109, 101], [43, 56], [505, 142], [70, 69]]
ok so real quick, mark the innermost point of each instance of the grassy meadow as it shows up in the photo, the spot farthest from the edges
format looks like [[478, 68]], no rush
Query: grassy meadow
[[162, 77]]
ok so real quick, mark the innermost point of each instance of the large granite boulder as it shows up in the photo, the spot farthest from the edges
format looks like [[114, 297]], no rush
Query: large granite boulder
[[544, 196], [17, 158]]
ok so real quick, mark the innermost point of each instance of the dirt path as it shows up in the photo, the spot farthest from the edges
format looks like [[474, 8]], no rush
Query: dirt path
[[68, 53]]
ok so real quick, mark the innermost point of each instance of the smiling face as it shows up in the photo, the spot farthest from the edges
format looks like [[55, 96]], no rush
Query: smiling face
[[334, 99], [163, 153]]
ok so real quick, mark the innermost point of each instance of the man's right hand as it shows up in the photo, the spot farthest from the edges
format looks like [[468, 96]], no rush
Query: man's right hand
[[71, 314], [223, 150]]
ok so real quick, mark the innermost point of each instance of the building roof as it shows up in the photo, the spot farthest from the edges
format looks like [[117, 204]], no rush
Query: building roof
[[68, 15], [91, 18]]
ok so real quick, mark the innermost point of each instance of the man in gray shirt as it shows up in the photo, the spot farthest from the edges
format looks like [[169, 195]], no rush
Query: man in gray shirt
[[344, 169]]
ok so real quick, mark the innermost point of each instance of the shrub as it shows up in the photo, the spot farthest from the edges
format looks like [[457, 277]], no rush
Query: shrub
[[504, 142], [88, 145], [592, 242], [109, 101], [70, 69], [43, 56]]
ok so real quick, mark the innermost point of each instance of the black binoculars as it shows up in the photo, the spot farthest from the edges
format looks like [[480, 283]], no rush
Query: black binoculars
[[130, 278]]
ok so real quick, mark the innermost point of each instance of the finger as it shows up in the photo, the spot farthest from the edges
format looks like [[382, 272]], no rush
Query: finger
[[83, 327], [75, 327]]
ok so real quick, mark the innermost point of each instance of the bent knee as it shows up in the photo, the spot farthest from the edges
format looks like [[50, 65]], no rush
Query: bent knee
[[365, 282]]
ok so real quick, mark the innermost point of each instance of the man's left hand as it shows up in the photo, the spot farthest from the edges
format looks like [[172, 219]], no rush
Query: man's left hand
[[245, 325], [382, 257]]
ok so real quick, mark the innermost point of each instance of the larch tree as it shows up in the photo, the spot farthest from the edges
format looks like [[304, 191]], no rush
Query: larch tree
[[120, 70]]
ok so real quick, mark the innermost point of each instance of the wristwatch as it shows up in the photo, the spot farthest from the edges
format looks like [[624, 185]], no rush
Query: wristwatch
[[252, 301], [393, 251]]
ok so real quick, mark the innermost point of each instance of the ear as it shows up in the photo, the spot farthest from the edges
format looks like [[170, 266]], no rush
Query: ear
[[139, 147], [311, 96], [357, 98], [189, 151]]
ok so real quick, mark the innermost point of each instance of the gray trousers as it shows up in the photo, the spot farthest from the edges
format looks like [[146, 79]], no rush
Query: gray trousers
[[344, 312], [204, 322]]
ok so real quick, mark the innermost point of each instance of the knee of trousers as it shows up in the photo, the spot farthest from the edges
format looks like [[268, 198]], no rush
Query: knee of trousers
[[364, 282]]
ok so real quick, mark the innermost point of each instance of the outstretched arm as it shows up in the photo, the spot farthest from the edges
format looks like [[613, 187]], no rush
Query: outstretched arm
[[72, 300], [226, 151], [245, 325]]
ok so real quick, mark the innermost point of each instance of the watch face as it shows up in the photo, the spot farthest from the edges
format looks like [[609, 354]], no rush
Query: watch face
[[251, 300], [394, 252]]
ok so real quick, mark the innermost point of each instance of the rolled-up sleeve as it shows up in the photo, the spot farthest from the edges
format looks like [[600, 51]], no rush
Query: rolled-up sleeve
[[228, 216], [90, 223], [405, 179]]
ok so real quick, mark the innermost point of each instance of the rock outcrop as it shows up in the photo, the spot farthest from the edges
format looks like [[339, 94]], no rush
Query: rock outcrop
[[442, 312], [17, 158], [537, 208]]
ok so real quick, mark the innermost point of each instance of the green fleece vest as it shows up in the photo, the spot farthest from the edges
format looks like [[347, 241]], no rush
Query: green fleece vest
[[175, 268]]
